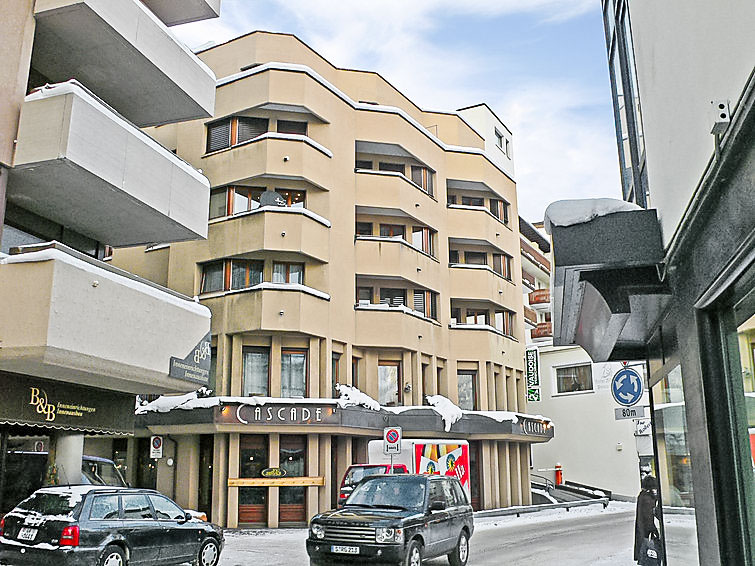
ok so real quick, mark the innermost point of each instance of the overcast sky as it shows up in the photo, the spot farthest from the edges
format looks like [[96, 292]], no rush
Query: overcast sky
[[539, 64]]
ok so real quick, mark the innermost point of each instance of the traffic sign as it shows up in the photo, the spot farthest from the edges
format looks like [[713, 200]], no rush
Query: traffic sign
[[626, 387], [156, 447], [392, 440], [624, 413]]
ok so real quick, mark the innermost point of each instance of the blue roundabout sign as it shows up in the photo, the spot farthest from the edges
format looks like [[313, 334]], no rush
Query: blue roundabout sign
[[627, 387]]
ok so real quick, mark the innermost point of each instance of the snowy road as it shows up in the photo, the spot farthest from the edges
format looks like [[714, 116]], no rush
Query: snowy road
[[587, 535]]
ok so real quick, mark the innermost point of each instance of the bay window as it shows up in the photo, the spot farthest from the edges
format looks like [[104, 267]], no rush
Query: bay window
[[393, 297], [213, 277], [475, 316], [500, 209], [392, 230], [504, 322], [230, 274], [286, 272], [292, 127], [364, 228], [472, 201], [394, 167], [245, 273], [423, 178], [229, 132], [476, 258], [502, 265], [364, 295], [425, 303], [422, 239], [227, 201]]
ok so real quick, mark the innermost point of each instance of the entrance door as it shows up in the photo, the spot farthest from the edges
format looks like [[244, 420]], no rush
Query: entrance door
[[206, 456], [253, 458], [474, 475], [293, 499]]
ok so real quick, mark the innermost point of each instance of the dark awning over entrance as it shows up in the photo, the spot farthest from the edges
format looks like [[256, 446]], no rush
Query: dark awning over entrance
[[608, 282]]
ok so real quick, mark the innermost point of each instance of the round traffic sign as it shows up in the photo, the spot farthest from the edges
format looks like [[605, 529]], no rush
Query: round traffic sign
[[627, 387], [157, 441], [392, 436]]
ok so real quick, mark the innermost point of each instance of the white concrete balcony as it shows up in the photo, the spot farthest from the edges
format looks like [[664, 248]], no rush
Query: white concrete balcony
[[80, 164], [71, 318], [124, 53], [173, 13]]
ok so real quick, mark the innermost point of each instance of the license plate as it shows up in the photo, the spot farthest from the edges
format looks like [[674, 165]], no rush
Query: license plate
[[345, 549], [27, 534]]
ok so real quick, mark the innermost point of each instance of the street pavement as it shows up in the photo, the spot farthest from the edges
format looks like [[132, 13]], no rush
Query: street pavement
[[586, 535]]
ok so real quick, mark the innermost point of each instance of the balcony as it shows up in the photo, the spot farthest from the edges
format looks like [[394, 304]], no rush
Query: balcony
[[81, 165], [126, 55], [279, 229], [394, 257], [74, 319], [175, 13], [528, 280], [530, 317], [270, 307], [479, 282], [381, 326], [543, 331], [540, 300], [479, 342], [273, 155], [475, 225], [383, 190], [534, 256]]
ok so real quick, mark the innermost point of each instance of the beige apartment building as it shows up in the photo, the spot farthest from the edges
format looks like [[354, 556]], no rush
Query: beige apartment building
[[79, 337], [355, 239]]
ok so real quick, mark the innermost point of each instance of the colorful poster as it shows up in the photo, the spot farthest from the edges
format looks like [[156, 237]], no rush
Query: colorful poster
[[447, 459]]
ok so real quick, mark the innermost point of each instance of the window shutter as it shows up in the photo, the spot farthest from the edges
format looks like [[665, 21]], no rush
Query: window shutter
[[218, 135], [250, 128], [419, 301]]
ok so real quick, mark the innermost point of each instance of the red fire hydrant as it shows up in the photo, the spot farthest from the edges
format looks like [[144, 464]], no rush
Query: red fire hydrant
[[559, 474]]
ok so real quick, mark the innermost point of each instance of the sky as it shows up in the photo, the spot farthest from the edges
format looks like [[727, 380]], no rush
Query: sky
[[539, 64]]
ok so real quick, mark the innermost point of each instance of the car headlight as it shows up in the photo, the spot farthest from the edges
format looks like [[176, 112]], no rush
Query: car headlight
[[387, 534], [317, 530]]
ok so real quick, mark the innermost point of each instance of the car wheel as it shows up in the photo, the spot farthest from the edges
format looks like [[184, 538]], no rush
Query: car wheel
[[460, 554], [112, 556], [209, 553], [413, 554]]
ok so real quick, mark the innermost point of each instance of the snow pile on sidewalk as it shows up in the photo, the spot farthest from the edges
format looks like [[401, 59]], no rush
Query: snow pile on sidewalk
[[579, 211], [352, 397]]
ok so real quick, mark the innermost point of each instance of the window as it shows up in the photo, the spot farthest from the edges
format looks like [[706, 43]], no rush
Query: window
[[227, 201], [166, 509], [255, 372], [392, 231], [395, 167], [423, 177], [364, 228], [450, 199], [422, 239], [472, 201], [231, 131], [499, 139], [293, 373], [335, 362], [288, 273], [212, 382], [424, 303], [389, 381], [294, 199], [364, 295], [292, 127], [502, 265], [477, 316], [504, 322], [500, 209], [362, 164], [355, 371], [393, 297], [453, 256], [574, 378], [455, 315], [218, 203], [213, 277], [419, 301], [476, 258], [508, 148], [104, 508], [245, 274], [136, 507], [467, 396]]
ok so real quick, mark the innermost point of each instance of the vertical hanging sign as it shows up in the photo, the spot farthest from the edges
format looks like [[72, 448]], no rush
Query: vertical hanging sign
[[532, 372]]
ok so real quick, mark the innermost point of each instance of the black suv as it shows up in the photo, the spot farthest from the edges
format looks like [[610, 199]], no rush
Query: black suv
[[395, 519], [86, 525]]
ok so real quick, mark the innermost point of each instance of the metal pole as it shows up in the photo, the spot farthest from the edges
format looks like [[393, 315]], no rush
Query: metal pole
[[3, 458]]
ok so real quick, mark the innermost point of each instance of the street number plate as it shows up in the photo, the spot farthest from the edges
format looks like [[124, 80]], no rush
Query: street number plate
[[27, 534], [345, 549]]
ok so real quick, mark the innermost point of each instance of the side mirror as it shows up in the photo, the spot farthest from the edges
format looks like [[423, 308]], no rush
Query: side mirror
[[437, 505], [187, 517]]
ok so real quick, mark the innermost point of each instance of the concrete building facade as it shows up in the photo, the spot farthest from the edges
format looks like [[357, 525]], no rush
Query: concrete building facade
[[77, 175], [353, 239]]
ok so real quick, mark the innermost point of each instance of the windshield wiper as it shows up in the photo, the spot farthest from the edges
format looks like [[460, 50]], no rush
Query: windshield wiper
[[386, 506], [358, 505]]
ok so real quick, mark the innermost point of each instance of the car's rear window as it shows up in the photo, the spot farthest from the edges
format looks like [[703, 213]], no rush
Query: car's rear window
[[59, 504]]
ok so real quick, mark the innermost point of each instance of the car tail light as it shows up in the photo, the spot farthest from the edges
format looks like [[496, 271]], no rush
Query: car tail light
[[70, 536], [2, 526], [342, 496]]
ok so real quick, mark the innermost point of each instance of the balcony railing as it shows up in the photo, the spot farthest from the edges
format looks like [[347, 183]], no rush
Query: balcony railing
[[540, 297], [530, 316], [543, 330]]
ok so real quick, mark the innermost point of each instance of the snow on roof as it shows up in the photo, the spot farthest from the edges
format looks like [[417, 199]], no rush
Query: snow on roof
[[350, 396], [579, 211]]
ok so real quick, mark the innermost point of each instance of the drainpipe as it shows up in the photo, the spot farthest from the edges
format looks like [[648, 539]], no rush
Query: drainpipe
[[174, 466]]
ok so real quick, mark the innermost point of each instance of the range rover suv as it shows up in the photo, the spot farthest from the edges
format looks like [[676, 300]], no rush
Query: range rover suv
[[395, 519]]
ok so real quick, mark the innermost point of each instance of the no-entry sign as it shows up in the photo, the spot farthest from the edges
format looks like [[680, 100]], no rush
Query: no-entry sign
[[392, 440]]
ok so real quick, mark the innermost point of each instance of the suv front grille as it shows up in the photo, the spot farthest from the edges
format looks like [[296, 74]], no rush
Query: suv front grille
[[349, 533]]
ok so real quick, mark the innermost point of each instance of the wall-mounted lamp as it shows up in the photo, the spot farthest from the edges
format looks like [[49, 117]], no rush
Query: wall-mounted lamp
[[283, 233], [281, 313], [285, 158], [408, 388]]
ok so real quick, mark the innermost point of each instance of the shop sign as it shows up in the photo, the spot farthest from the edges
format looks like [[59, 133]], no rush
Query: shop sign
[[195, 366], [273, 473], [642, 427], [532, 367], [278, 414], [533, 394], [62, 405], [534, 428]]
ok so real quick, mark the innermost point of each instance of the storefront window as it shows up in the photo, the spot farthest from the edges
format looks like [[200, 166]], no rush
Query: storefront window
[[388, 383], [294, 373], [293, 459], [255, 371]]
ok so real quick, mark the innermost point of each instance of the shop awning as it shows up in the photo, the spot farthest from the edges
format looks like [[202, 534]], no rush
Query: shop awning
[[608, 282]]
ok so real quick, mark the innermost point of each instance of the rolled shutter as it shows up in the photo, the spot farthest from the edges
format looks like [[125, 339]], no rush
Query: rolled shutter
[[250, 128], [218, 135]]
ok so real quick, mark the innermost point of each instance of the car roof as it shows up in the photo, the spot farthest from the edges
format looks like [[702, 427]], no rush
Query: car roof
[[85, 489]]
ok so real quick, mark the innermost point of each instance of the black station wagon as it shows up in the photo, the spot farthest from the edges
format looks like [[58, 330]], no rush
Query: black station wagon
[[395, 519], [85, 525]]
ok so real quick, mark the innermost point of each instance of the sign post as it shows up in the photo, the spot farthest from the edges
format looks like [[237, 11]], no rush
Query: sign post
[[392, 442]]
